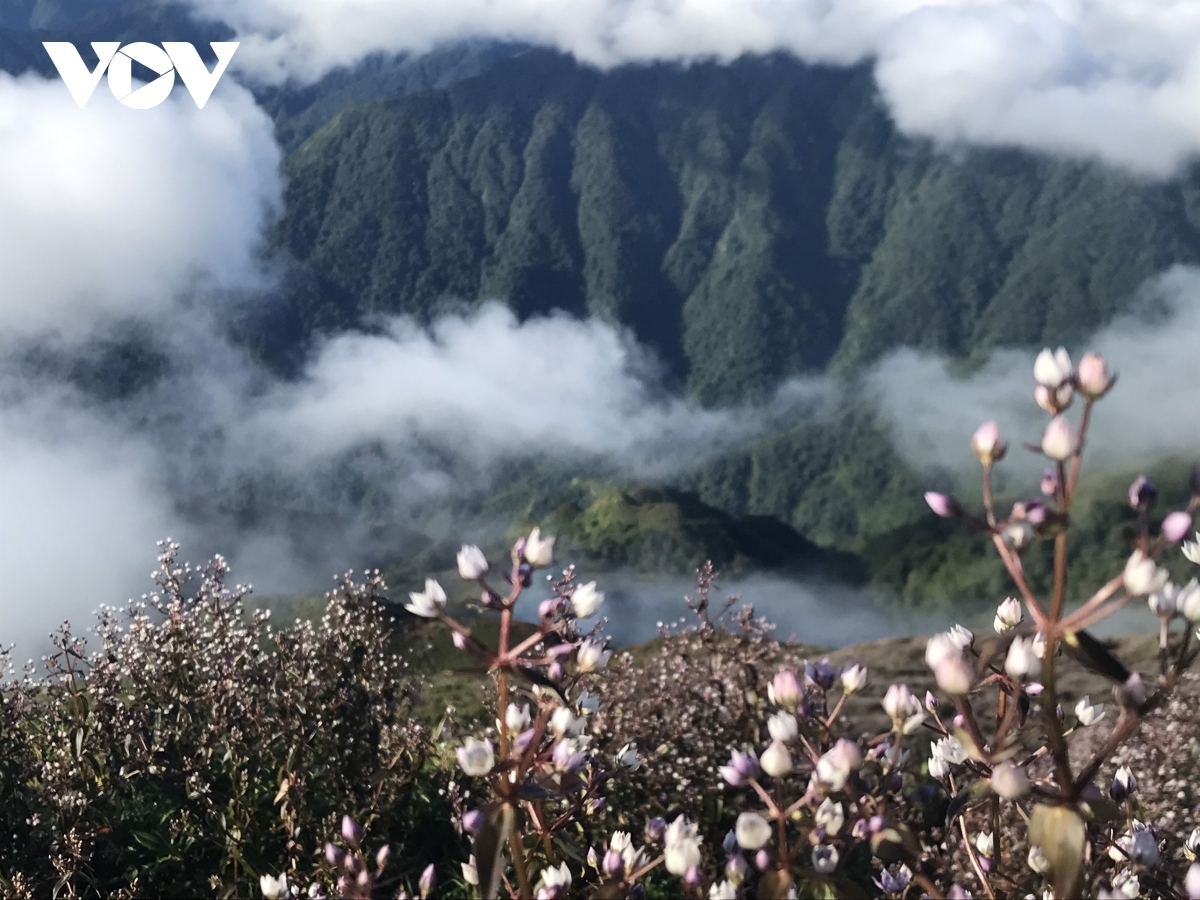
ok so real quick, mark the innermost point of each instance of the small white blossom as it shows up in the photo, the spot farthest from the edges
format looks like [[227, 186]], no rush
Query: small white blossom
[[273, 888], [469, 872], [782, 727], [1189, 601], [752, 831], [538, 550], [831, 816], [825, 859], [1022, 659], [854, 678], [1191, 549], [628, 758], [592, 656], [476, 758], [1052, 368], [1008, 615], [585, 600], [1142, 576], [681, 846], [1037, 860], [775, 760], [472, 564], [428, 602], [985, 843], [1088, 713]]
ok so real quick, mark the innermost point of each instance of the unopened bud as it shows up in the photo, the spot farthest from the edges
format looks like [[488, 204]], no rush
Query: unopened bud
[[988, 444], [944, 505], [428, 879], [1093, 377], [352, 832], [473, 821], [1049, 483], [1010, 781], [1175, 527]]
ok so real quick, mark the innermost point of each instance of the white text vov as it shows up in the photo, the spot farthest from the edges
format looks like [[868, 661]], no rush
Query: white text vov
[[166, 60]]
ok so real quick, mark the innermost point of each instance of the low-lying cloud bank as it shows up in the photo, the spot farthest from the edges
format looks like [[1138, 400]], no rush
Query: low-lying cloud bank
[[1152, 414], [1112, 80]]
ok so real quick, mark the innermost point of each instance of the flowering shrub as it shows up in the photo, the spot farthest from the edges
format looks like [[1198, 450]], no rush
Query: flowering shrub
[[198, 751], [197, 748]]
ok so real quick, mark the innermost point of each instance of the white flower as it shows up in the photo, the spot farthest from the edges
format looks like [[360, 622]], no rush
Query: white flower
[[783, 727], [516, 718], [1022, 659], [538, 550], [1087, 713], [585, 600], [824, 859], [831, 816], [1191, 847], [938, 767], [938, 647], [681, 846], [1142, 576], [1191, 882], [835, 765], [775, 760], [1008, 615], [620, 841], [1137, 845], [428, 602], [1052, 368], [556, 876], [469, 872], [587, 703], [1037, 860], [752, 831], [1188, 601], [476, 758], [472, 564], [853, 678], [951, 750], [1191, 549], [904, 709], [954, 675], [985, 842], [273, 888], [628, 758], [563, 721], [592, 656], [724, 890], [962, 636]]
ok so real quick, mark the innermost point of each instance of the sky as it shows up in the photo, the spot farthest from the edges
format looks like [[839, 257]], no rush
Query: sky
[[119, 216]]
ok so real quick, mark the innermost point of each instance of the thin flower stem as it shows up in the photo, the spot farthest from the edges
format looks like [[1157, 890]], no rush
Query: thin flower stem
[[980, 874]]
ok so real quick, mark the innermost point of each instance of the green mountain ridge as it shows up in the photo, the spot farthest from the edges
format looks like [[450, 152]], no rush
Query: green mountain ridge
[[749, 222]]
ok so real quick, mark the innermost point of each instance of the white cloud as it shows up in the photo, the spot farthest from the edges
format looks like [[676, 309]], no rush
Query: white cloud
[[80, 514], [109, 212], [486, 386], [1115, 80], [1152, 414]]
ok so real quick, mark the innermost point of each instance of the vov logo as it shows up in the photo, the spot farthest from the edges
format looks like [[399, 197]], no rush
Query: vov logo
[[166, 60]]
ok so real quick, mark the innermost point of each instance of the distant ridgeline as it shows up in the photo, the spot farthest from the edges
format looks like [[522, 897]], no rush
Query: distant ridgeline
[[750, 222]]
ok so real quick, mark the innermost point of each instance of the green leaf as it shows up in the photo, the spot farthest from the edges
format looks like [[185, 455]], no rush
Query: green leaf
[[1060, 833], [489, 849]]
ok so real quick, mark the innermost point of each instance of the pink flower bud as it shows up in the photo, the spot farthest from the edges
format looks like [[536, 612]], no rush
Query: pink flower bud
[[762, 859], [943, 505], [473, 821], [1093, 377], [382, 855], [987, 443], [1058, 440], [352, 832], [459, 639], [334, 855], [547, 608], [1175, 527], [1142, 494], [428, 879], [614, 863], [693, 876], [785, 690]]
